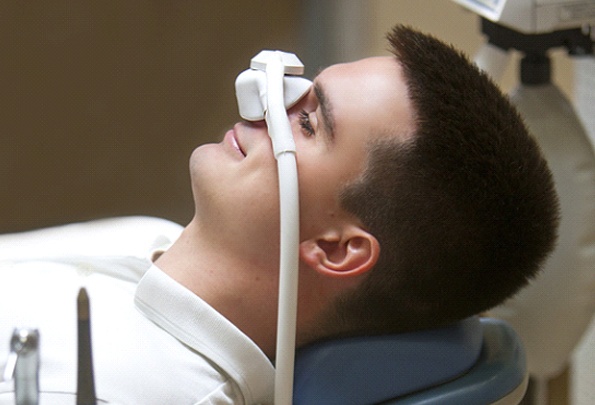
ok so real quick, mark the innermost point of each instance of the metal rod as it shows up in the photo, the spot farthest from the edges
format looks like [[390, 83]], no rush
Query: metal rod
[[25, 344]]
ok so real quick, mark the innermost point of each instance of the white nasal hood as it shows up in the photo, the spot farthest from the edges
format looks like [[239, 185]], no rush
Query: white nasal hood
[[251, 85]]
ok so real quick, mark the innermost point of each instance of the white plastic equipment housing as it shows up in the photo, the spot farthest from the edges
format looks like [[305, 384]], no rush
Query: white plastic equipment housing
[[292, 65], [534, 16], [251, 88]]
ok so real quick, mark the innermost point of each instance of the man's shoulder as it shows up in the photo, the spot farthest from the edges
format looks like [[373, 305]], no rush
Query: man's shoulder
[[118, 236]]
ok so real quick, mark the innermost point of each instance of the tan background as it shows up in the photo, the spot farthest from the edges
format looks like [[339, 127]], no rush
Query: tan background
[[102, 102]]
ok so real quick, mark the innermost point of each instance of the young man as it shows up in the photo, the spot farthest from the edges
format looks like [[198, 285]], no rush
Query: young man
[[423, 201]]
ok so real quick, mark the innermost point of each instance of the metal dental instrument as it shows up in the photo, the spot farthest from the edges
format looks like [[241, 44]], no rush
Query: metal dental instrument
[[265, 91], [85, 389], [23, 365]]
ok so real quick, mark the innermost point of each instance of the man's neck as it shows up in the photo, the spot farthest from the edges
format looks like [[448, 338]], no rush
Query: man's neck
[[245, 296]]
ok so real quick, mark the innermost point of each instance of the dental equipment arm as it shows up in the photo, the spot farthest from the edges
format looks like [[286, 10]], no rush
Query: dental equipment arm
[[261, 94]]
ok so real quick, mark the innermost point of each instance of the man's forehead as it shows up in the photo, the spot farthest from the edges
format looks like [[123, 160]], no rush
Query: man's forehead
[[376, 85], [365, 72], [360, 66], [373, 72]]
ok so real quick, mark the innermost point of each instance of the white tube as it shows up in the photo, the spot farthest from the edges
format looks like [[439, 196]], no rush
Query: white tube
[[284, 148], [288, 279], [276, 116]]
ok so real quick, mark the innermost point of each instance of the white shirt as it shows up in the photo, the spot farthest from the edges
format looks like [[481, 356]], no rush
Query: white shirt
[[154, 342]]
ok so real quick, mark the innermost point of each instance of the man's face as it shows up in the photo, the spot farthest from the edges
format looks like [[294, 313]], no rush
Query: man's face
[[235, 182]]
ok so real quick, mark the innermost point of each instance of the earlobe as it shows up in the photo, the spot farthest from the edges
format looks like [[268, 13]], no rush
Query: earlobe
[[353, 252]]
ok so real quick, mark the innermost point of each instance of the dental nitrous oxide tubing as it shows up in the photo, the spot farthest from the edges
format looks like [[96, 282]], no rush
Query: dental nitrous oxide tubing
[[265, 92], [276, 116], [284, 149], [288, 278]]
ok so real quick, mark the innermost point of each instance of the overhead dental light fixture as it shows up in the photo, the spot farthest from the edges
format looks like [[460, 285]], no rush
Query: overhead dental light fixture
[[564, 294]]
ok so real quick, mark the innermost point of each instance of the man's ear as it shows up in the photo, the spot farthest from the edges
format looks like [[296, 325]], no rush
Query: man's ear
[[347, 252]]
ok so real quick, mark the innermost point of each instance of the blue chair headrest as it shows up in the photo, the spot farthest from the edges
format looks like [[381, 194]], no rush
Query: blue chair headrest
[[366, 370]]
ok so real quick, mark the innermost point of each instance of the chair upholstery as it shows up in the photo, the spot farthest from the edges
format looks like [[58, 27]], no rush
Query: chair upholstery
[[370, 370], [475, 361], [499, 377]]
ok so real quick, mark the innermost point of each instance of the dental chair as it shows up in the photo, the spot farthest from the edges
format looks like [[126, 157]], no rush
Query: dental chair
[[476, 361]]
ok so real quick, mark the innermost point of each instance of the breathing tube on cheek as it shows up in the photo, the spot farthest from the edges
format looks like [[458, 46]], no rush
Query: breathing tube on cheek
[[266, 91]]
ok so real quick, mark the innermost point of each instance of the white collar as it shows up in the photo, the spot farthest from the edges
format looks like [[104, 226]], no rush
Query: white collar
[[192, 321]]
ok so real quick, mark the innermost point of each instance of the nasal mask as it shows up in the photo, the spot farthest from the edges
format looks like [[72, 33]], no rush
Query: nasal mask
[[273, 76], [266, 91]]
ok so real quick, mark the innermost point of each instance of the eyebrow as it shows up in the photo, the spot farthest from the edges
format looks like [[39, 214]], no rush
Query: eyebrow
[[325, 107]]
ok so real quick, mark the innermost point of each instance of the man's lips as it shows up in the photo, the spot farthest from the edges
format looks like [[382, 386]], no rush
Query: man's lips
[[231, 139]]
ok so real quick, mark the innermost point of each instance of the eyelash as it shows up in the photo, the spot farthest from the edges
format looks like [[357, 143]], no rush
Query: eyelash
[[304, 120]]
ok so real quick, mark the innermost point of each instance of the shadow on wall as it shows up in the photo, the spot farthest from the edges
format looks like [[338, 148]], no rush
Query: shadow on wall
[[102, 102]]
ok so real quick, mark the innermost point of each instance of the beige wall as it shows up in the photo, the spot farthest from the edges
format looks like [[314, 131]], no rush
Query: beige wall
[[102, 102]]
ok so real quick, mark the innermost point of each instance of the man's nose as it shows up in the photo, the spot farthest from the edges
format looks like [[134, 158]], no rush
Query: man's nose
[[256, 124]]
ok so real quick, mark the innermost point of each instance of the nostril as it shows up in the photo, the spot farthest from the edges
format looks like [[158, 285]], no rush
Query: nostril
[[256, 124]]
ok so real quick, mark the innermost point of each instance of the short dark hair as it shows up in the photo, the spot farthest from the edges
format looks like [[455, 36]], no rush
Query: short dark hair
[[465, 210]]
